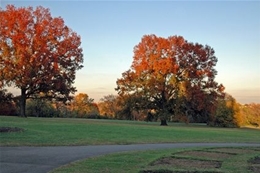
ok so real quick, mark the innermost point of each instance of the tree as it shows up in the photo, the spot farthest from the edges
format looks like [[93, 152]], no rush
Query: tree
[[251, 114], [41, 108], [7, 104], [38, 53], [132, 107], [164, 70], [228, 113], [83, 105], [108, 105]]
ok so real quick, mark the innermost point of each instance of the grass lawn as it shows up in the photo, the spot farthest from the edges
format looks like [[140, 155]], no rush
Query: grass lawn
[[57, 132], [192, 160]]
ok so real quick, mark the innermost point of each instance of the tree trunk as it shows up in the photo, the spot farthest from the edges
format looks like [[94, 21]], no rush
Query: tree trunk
[[164, 123], [23, 102]]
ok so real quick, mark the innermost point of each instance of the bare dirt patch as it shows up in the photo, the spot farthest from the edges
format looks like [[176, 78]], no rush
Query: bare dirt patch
[[255, 160], [254, 164], [169, 171], [233, 150], [158, 171], [201, 161], [10, 129], [184, 163], [209, 155], [254, 168]]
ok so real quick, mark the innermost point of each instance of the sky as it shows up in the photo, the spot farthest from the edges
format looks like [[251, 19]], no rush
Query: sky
[[109, 31]]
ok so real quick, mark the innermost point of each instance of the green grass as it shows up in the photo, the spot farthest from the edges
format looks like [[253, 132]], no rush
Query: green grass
[[134, 162], [55, 131], [123, 162]]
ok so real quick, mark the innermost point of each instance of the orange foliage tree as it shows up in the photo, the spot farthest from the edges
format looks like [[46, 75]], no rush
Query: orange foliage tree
[[164, 70], [38, 53], [83, 105], [251, 114]]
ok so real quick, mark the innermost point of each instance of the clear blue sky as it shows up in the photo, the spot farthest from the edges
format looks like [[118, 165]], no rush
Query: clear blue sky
[[110, 29]]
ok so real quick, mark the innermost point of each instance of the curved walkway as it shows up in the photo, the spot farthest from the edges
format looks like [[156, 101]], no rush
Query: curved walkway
[[44, 159]]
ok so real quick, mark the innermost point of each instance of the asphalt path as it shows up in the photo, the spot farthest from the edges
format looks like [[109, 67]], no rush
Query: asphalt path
[[44, 159]]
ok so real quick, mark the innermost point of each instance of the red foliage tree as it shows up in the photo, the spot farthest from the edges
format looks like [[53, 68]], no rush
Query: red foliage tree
[[38, 53], [167, 69]]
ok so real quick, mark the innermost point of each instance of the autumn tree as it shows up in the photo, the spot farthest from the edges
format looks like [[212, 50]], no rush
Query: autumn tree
[[38, 53], [132, 107], [228, 113], [251, 114], [108, 105], [167, 69], [83, 105]]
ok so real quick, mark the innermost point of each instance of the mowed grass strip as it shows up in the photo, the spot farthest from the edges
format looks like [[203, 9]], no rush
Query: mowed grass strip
[[67, 132], [161, 161], [130, 162]]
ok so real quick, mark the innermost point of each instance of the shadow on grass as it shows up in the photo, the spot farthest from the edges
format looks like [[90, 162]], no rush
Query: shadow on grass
[[10, 129]]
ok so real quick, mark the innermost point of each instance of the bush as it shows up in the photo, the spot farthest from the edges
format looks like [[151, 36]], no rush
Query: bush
[[7, 104], [40, 108]]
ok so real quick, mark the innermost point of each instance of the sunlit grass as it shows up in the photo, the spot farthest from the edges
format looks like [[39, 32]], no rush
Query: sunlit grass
[[55, 131], [134, 162], [123, 162]]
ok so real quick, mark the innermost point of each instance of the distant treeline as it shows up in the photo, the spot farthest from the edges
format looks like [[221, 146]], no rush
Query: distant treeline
[[229, 113]]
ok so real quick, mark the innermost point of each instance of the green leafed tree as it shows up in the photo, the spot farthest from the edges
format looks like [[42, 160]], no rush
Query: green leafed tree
[[40, 108], [228, 113], [38, 53], [7, 104]]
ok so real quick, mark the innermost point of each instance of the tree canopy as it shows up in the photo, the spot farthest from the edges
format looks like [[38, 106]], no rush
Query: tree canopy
[[7, 104], [228, 113], [38, 53], [173, 76], [82, 105], [109, 106]]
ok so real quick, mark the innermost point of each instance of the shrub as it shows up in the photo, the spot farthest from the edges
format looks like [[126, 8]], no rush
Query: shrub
[[40, 108]]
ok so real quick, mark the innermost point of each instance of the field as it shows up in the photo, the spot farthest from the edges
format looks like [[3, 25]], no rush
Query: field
[[67, 132]]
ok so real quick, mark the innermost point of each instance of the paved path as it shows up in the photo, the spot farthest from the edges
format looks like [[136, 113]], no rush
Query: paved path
[[44, 159]]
